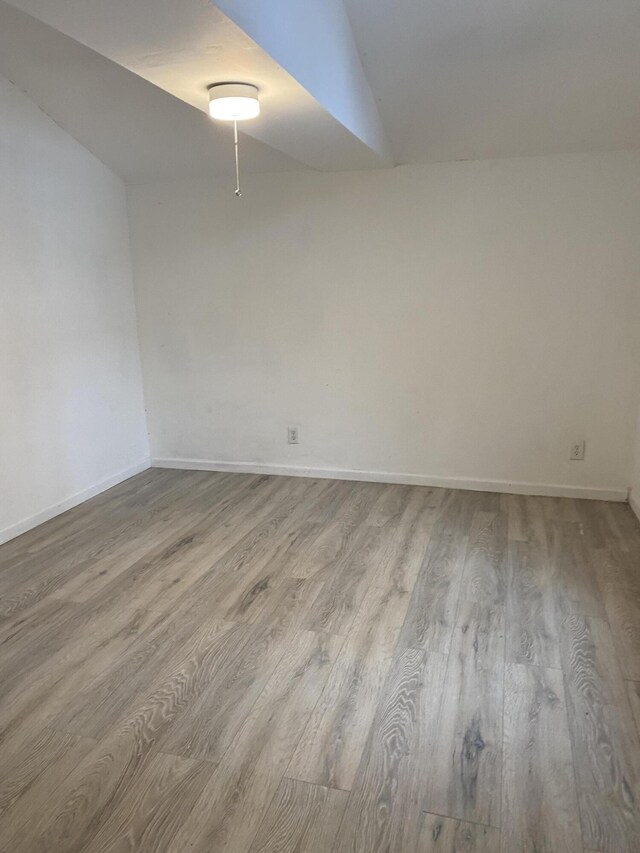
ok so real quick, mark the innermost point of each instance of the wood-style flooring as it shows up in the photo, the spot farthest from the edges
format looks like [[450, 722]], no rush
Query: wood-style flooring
[[220, 662]]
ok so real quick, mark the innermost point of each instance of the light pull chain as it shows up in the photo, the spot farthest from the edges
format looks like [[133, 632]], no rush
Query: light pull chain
[[233, 102], [235, 145]]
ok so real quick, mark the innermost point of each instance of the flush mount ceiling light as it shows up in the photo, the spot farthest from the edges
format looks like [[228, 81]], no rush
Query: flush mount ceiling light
[[234, 102]]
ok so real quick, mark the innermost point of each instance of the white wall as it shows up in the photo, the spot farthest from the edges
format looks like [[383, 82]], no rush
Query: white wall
[[634, 493], [634, 496], [463, 320], [72, 418]]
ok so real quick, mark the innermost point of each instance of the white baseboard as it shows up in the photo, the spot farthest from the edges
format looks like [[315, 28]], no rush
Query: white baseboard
[[80, 497], [505, 486], [634, 504]]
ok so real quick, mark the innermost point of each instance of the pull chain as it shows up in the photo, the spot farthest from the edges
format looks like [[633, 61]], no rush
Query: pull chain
[[235, 145]]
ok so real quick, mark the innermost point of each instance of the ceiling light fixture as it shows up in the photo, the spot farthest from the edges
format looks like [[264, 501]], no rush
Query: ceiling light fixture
[[234, 102]]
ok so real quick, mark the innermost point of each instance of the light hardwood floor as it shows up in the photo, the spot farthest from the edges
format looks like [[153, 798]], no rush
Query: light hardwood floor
[[219, 662]]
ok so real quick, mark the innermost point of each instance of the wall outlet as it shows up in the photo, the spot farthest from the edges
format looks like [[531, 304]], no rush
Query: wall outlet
[[577, 451], [293, 435]]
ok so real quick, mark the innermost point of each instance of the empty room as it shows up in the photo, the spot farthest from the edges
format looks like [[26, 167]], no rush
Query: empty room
[[320, 426]]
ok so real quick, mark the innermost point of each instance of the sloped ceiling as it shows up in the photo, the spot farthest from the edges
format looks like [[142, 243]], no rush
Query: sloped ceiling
[[502, 78], [183, 47], [345, 84], [140, 131]]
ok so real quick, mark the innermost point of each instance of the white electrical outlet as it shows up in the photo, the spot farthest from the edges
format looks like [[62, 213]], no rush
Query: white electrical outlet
[[293, 435], [577, 451]]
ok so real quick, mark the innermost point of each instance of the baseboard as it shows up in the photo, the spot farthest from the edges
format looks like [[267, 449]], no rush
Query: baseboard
[[80, 497], [634, 504], [506, 486]]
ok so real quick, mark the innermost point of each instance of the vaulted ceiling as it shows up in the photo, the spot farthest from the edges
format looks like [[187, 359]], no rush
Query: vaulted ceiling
[[502, 78], [344, 84]]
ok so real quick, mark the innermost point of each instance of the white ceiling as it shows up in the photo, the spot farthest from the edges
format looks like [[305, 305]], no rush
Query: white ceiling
[[137, 129], [456, 79], [181, 48], [450, 79]]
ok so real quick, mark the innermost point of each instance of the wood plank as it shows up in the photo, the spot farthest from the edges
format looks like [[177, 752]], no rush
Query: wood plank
[[270, 533], [526, 522], [17, 821], [485, 569], [576, 569], [466, 757], [234, 802], [409, 546], [223, 568], [633, 690], [254, 591], [390, 506], [335, 539], [626, 525], [210, 721], [207, 727], [113, 544], [167, 617], [561, 510], [336, 606], [71, 634], [596, 524], [432, 611], [159, 802], [62, 528], [384, 809], [445, 835], [22, 760], [249, 595], [301, 817], [619, 583], [146, 563], [532, 618], [539, 801], [606, 753], [331, 746], [31, 702], [76, 808], [289, 603], [174, 571], [108, 698], [175, 528]]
